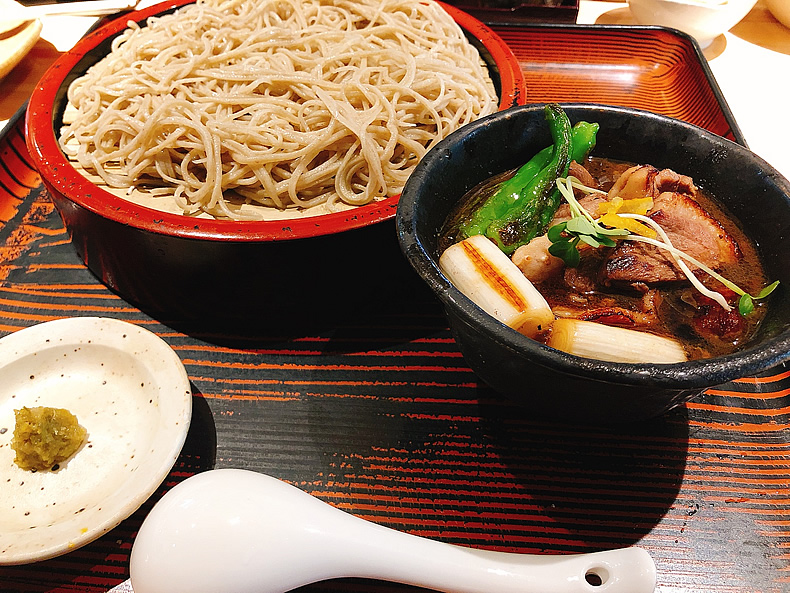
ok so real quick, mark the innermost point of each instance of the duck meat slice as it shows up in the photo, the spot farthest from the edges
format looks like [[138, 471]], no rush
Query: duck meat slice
[[582, 174], [689, 227], [637, 182], [642, 181], [588, 202], [712, 321], [617, 316], [607, 312]]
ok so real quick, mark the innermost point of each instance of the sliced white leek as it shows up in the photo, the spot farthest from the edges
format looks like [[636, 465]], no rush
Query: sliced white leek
[[613, 344], [487, 276]]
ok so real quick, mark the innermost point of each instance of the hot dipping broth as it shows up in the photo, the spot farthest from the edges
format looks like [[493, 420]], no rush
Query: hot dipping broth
[[665, 307]]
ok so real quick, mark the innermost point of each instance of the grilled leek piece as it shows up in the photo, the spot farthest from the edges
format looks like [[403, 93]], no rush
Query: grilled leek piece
[[613, 344], [483, 273]]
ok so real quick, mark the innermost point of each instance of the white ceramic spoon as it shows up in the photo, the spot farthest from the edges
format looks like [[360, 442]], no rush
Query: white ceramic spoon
[[237, 531]]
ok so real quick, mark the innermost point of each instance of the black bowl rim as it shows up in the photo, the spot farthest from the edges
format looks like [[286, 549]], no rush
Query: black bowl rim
[[687, 375]]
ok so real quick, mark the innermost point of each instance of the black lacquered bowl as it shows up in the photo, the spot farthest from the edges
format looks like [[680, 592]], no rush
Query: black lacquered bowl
[[553, 382]]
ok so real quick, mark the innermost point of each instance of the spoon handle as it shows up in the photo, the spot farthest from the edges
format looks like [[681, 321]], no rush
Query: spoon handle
[[399, 557]]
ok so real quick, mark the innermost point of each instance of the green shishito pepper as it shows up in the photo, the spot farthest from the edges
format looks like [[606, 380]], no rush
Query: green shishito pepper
[[524, 204]]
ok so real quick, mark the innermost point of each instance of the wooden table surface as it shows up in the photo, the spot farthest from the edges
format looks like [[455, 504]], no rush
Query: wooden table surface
[[381, 417]]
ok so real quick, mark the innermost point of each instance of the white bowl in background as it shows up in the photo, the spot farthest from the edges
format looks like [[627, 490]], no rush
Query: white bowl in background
[[702, 19]]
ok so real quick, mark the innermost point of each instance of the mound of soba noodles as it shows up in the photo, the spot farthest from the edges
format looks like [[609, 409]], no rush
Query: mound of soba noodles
[[282, 104]]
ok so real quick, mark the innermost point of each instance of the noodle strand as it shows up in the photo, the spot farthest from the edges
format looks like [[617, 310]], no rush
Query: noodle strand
[[276, 103]]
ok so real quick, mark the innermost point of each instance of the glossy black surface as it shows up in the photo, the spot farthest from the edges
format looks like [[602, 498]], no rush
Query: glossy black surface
[[553, 382]]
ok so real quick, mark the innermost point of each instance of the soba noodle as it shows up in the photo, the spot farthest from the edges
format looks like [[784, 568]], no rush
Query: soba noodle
[[279, 103]]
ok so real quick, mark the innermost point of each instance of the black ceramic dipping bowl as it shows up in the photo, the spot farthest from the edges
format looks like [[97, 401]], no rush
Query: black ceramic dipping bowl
[[564, 386]]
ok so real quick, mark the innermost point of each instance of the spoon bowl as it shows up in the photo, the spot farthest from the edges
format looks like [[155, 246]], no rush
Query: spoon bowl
[[240, 531]]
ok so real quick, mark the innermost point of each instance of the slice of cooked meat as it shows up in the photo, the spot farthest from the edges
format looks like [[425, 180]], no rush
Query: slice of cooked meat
[[608, 312], [585, 277], [534, 259], [617, 316], [583, 175], [712, 320], [669, 181], [645, 180], [690, 228], [637, 182], [589, 202]]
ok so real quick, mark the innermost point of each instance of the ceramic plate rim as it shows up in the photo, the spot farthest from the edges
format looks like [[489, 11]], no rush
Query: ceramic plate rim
[[172, 408]]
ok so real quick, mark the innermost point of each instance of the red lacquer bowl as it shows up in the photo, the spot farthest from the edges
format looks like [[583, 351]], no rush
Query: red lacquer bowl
[[160, 260]]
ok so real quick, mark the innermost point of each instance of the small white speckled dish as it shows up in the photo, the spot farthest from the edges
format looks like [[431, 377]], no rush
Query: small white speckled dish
[[129, 389]]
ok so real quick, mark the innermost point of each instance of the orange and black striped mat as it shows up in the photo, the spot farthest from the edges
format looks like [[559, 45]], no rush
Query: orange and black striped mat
[[377, 413]]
